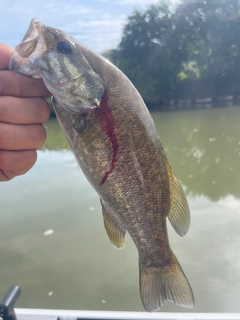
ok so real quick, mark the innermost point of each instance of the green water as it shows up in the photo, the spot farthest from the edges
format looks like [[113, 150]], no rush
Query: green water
[[77, 268]]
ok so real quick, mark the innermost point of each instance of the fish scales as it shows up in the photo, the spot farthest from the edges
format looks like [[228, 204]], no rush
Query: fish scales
[[115, 142], [139, 143]]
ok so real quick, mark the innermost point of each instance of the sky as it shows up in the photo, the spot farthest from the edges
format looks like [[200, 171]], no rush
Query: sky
[[96, 23]]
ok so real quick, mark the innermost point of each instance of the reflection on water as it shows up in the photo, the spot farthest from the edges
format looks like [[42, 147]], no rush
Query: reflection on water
[[77, 268], [204, 149]]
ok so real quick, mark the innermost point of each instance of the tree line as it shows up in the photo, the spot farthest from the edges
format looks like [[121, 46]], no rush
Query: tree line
[[187, 52]]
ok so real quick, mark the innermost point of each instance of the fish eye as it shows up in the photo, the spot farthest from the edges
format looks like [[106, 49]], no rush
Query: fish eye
[[64, 47]]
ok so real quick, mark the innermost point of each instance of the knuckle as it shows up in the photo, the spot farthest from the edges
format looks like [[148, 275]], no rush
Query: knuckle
[[2, 83], [2, 159], [8, 82], [41, 136], [4, 176], [32, 157], [2, 88], [28, 160], [3, 135], [15, 164], [3, 109], [45, 109]]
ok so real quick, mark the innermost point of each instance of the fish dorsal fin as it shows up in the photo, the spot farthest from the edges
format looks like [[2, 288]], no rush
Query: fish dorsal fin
[[179, 214], [116, 233]]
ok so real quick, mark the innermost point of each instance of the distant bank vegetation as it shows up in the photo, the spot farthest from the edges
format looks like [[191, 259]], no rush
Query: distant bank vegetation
[[189, 54]]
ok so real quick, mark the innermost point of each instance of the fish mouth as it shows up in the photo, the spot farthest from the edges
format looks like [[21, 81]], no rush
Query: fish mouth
[[31, 39], [25, 49], [35, 28]]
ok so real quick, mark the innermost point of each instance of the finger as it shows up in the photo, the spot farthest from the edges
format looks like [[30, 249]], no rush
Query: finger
[[5, 54], [21, 161], [23, 110], [18, 85], [21, 137]]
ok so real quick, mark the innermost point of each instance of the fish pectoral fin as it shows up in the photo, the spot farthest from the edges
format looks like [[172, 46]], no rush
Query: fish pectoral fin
[[161, 284], [179, 214], [116, 233]]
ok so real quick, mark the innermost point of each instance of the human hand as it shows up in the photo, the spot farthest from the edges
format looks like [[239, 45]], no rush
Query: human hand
[[23, 110]]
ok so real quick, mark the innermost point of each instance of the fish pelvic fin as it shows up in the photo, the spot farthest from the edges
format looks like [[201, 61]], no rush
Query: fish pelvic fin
[[116, 233], [179, 213], [168, 283]]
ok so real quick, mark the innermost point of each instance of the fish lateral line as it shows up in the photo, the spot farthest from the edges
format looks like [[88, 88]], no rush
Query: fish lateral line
[[107, 123]]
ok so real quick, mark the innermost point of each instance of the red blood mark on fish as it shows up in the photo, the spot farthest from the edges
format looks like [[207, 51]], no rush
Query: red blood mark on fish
[[107, 122]]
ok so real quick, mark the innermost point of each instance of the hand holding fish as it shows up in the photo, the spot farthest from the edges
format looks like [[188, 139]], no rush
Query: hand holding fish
[[22, 113]]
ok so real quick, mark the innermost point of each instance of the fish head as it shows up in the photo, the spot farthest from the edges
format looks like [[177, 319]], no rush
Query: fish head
[[56, 57]]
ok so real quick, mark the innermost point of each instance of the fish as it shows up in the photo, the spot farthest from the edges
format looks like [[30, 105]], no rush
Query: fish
[[116, 144]]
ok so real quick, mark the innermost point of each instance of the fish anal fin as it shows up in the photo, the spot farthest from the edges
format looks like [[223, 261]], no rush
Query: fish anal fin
[[169, 283], [179, 214], [116, 233]]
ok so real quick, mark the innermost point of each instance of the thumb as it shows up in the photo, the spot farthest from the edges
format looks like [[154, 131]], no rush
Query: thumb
[[5, 55]]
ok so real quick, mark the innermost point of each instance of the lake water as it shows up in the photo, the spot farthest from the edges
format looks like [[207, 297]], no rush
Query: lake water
[[76, 267]]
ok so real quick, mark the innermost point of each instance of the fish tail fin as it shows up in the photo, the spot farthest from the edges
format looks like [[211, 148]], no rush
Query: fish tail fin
[[168, 283]]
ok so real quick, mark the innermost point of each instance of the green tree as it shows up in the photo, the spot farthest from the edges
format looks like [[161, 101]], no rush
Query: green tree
[[145, 57], [210, 32], [192, 52]]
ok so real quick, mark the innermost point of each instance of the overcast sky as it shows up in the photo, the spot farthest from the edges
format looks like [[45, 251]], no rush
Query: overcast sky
[[96, 23]]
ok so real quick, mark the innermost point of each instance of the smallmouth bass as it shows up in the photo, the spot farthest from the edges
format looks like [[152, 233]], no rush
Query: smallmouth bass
[[115, 142]]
